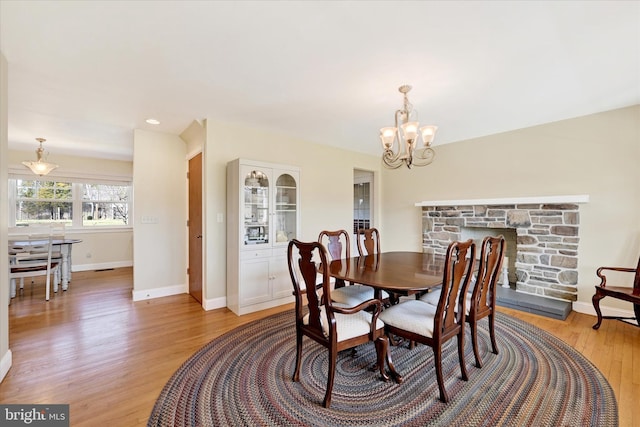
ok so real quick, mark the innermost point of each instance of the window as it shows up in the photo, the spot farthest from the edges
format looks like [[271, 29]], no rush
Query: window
[[105, 204], [42, 201], [76, 204]]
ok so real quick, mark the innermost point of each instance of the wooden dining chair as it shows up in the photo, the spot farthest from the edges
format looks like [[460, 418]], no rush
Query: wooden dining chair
[[335, 328], [368, 241], [434, 325], [338, 245], [481, 302], [481, 296], [624, 293]]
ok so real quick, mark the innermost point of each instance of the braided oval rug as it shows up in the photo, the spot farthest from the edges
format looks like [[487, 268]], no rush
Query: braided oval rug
[[243, 378]]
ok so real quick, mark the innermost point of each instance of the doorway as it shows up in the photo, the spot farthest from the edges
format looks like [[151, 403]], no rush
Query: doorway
[[362, 199]]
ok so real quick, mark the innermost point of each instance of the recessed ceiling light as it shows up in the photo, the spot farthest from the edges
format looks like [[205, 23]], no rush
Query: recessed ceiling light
[[153, 121]]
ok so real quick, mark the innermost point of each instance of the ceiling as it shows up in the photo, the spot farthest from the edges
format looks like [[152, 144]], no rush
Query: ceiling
[[85, 74]]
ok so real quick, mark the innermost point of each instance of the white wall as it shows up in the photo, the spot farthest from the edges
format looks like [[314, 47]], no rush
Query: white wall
[[160, 217], [597, 155], [5, 352]]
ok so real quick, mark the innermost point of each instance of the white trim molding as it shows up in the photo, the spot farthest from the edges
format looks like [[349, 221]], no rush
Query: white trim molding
[[214, 303], [587, 308], [5, 364], [165, 291], [507, 201]]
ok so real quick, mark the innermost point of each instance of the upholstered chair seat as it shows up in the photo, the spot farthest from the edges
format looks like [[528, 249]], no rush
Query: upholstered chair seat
[[352, 295], [406, 314], [347, 325]]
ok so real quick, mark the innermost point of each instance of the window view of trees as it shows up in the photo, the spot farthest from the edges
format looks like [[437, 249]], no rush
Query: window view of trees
[[43, 201], [53, 201], [105, 204]]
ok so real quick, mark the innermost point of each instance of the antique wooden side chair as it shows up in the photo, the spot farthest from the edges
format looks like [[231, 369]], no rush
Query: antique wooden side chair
[[334, 327], [431, 325], [481, 302], [625, 293], [481, 298], [338, 245]]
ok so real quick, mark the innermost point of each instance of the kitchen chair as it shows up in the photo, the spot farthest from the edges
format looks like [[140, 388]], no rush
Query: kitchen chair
[[57, 231], [336, 328], [434, 325], [338, 245], [625, 293], [33, 260]]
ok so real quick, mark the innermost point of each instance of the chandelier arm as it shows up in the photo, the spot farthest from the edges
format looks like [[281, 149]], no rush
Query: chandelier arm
[[423, 156], [391, 160]]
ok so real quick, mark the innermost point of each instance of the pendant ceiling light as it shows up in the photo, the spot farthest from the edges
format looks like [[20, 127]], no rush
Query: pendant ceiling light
[[40, 166], [407, 131]]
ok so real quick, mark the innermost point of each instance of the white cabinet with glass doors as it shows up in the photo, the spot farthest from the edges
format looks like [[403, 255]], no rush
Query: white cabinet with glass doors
[[262, 216]]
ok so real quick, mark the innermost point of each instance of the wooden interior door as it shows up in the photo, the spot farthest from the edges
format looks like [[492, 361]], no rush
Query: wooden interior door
[[195, 227]]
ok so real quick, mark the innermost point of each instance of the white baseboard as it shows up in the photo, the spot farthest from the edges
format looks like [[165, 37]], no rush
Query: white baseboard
[[165, 291], [101, 266], [212, 304], [587, 308], [5, 364]]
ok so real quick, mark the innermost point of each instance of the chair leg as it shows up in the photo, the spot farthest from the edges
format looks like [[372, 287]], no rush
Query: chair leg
[[636, 310], [437, 356], [296, 372], [492, 332], [56, 279], [333, 355], [47, 285], [474, 342], [387, 354], [463, 365], [596, 304], [382, 349]]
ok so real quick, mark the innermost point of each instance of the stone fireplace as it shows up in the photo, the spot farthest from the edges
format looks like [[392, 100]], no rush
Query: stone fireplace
[[544, 261]]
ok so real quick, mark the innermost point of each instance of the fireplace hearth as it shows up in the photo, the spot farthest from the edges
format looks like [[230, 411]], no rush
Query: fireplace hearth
[[546, 237]]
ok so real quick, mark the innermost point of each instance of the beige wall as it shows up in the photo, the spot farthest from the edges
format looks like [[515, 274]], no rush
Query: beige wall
[[5, 353], [326, 186], [74, 166], [596, 155], [100, 248], [160, 197]]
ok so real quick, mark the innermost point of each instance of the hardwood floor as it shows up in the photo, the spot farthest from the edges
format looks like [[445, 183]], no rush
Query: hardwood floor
[[109, 357]]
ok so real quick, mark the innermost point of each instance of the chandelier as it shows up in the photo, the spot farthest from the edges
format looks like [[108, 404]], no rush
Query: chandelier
[[406, 152], [40, 166]]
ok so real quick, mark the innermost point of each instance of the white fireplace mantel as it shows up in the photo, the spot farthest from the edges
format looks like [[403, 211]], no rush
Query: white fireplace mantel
[[507, 201]]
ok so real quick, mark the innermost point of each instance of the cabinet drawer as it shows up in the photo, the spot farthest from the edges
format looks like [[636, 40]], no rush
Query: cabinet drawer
[[255, 254]]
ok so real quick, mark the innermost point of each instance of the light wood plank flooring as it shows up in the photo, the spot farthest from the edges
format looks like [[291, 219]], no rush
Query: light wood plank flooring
[[109, 357]]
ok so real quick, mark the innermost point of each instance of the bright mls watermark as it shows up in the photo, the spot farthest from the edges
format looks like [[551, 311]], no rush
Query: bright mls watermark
[[34, 415]]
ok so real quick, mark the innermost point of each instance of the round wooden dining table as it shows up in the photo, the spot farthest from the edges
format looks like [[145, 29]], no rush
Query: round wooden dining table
[[399, 272]]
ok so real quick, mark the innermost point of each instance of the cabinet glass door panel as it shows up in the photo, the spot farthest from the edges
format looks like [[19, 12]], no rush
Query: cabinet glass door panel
[[286, 203], [256, 208]]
